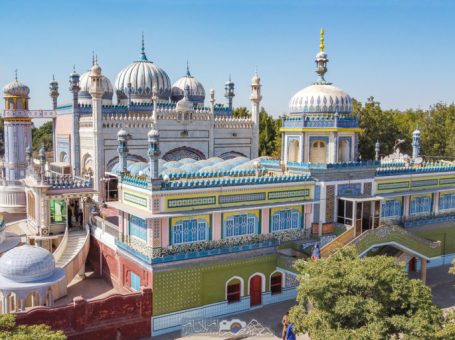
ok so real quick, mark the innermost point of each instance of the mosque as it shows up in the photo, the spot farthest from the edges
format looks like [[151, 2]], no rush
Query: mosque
[[211, 227]]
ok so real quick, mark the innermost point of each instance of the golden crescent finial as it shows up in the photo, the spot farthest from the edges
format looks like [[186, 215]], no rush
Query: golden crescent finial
[[321, 45]]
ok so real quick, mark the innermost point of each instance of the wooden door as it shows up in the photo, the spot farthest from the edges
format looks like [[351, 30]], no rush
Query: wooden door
[[255, 290]]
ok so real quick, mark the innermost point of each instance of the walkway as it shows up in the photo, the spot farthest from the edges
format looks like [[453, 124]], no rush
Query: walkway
[[76, 240]]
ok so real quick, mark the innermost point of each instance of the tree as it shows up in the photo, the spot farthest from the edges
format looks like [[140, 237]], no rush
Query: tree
[[42, 135], [9, 330], [241, 112], [267, 133], [362, 298]]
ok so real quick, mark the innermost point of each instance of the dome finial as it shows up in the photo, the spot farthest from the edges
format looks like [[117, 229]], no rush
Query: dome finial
[[93, 58], [188, 68], [321, 45], [143, 56], [15, 74]]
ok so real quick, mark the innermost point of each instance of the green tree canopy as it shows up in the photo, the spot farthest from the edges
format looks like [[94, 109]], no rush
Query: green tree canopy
[[42, 135], [368, 298], [241, 112], [9, 330]]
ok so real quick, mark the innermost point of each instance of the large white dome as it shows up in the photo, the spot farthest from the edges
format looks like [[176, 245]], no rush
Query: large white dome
[[321, 98], [143, 75], [196, 90], [27, 264], [85, 84]]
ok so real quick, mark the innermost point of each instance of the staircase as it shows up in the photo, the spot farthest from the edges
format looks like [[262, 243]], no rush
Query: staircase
[[75, 242], [337, 243], [71, 255]]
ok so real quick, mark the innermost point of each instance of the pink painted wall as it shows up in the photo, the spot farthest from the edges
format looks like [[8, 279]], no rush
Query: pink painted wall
[[164, 232], [265, 221], [436, 202], [216, 226], [64, 124], [307, 210]]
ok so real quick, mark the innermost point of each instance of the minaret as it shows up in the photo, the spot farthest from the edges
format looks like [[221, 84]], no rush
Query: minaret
[[377, 148], [212, 124], [321, 61], [17, 129], [122, 148], [416, 143], [153, 138], [75, 142], [53, 93], [96, 91], [229, 93], [255, 99], [42, 163]]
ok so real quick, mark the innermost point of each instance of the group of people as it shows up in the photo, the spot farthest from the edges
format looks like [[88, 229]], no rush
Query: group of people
[[288, 328]]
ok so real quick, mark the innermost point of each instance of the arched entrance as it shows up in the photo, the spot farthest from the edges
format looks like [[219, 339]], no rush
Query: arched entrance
[[343, 151], [293, 150], [255, 290], [318, 152]]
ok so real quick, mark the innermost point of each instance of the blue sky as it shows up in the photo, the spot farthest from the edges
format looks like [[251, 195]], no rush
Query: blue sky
[[401, 52]]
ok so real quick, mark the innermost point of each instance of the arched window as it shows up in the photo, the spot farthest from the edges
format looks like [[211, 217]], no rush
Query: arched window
[[318, 152], [234, 289], [286, 219], [276, 283], [420, 205], [239, 225], [293, 150], [58, 211], [447, 201], [187, 231], [344, 151]]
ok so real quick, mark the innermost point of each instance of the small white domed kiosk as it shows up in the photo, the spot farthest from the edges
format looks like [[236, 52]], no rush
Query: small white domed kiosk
[[27, 274]]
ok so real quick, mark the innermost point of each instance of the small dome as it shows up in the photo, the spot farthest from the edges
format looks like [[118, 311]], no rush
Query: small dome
[[153, 133], [85, 82], [95, 70], [187, 160], [27, 263], [122, 133], [196, 90], [16, 89], [172, 164], [143, 75], [256, 80], [321, 98]]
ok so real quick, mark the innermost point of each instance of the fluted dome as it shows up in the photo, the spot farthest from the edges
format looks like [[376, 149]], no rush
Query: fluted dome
[[85, 84], [27, 264], [143, 75], [321, 98], [196, 90], [16, 89]]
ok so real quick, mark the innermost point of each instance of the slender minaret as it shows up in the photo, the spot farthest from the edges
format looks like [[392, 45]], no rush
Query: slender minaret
[[377, 148], [53, 93], [75, 141], [153, 138], [17, 129], [255, 99], [416, 143], [122, 148], [96, 91], [212, 124], [42, 163], [229, 92]]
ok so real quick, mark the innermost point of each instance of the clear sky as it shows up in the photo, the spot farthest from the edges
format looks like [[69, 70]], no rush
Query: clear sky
[[401, 52]]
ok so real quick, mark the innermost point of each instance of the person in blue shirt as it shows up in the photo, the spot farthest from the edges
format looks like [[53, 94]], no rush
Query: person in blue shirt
[[316, 254], [290, 332]]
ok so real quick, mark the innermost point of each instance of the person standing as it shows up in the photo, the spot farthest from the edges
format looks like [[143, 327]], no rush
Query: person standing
[[290, 335], [285, 322], [316, 254]]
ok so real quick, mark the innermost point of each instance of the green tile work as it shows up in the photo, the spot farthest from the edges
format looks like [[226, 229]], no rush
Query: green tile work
[[201, 285]]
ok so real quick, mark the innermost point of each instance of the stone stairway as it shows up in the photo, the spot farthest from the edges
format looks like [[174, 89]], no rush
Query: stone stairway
[[75, 243]]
